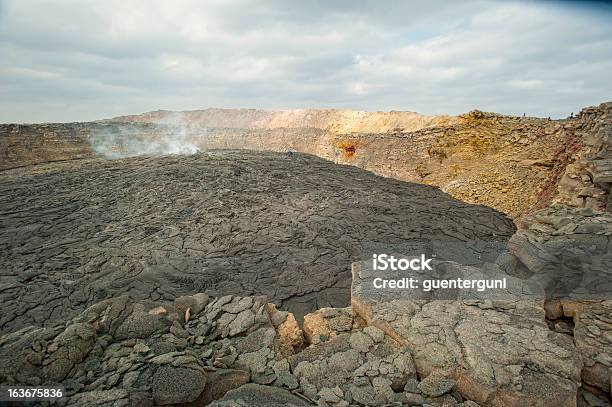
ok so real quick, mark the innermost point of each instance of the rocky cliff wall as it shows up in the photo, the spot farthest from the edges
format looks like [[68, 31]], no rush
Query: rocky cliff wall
[[587, 180], [28, 144], [22, 145], [516, 165]]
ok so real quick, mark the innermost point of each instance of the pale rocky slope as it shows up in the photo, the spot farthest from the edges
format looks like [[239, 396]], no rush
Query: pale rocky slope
[[509, 163], [512, 164], [332, 120]]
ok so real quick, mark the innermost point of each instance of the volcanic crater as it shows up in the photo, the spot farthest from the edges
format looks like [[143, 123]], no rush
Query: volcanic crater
[[238, 275], [227, 222]]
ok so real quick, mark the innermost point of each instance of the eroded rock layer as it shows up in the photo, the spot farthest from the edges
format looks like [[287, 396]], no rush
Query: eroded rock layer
[[513, 164], [333, 120]]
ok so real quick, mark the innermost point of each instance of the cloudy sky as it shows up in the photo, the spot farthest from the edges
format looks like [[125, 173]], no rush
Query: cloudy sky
[[83, 60]]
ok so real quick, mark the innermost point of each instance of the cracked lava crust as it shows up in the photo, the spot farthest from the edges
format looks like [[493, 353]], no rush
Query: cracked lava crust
[[229, 222]]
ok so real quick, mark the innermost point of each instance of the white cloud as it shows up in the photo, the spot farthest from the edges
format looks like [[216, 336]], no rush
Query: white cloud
[[80, 60], [526, 83], [358, 88]]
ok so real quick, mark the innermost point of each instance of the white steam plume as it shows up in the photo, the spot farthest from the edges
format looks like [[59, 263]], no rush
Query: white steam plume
[[127, 140]]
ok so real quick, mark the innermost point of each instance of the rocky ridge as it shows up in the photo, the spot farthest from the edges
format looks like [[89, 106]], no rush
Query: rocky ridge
[[339, 121], [513, 164]]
